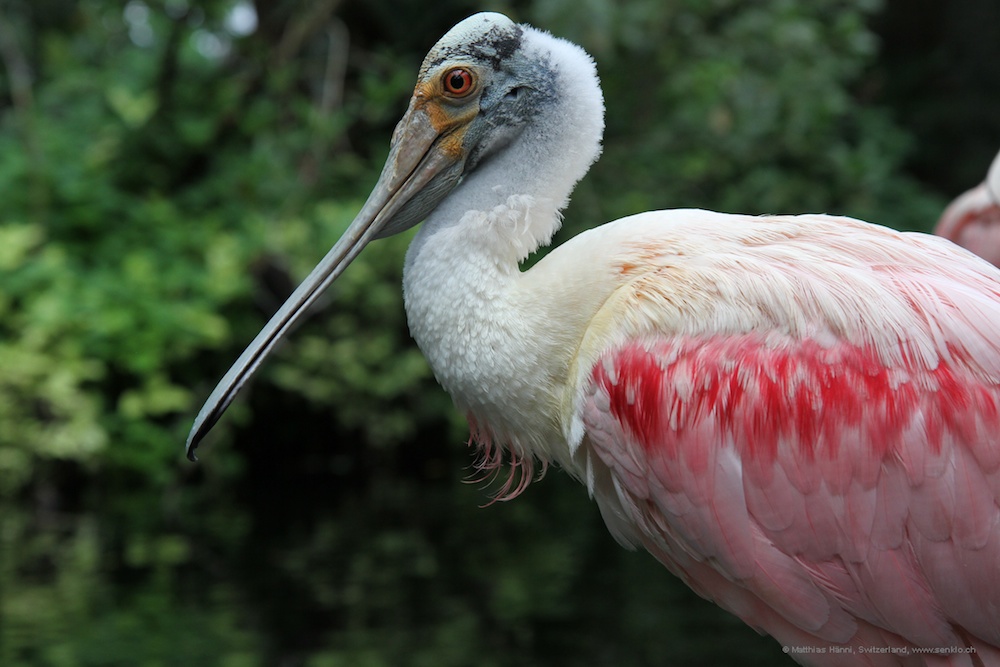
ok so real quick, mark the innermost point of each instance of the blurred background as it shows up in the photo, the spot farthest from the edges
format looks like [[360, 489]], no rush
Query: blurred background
[[170, 169]]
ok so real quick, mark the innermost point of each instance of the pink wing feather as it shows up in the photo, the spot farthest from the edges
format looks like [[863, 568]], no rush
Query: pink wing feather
[[829, 492], [809, 489]]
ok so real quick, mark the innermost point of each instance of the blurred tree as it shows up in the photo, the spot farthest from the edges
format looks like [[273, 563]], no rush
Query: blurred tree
[[939, 73], [169, 169]]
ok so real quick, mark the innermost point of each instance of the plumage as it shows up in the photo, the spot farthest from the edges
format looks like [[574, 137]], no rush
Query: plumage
[[799, 416], [972, 220]]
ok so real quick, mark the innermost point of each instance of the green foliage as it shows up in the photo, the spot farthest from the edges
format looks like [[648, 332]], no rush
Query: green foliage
[[762, 112], [165, 181]]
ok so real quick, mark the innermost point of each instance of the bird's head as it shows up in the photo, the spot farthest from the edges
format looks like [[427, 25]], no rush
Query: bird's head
[[476, 91]]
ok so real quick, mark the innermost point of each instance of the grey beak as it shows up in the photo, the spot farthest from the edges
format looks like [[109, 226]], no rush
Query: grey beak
[[414, 161]]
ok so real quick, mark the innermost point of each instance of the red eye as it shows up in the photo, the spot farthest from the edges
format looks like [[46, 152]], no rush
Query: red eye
[[458, 82]]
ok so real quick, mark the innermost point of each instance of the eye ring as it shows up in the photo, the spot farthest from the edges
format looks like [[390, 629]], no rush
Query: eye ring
[[458, 82]]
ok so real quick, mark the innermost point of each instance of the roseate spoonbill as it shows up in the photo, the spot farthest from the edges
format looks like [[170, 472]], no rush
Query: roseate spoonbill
[[799, 416], [972, 220]]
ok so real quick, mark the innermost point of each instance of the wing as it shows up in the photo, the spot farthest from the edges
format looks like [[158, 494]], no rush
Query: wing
[[811, 436]]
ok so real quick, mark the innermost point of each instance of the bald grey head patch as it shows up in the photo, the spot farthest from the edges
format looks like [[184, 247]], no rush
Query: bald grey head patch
[[487, 38], [497, 46]]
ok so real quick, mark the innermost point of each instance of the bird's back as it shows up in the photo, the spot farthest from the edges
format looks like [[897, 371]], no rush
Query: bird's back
[[800, 416]]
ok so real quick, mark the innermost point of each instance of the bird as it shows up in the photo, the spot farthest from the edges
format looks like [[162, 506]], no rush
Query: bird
[[972, 220], [798, 416]]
